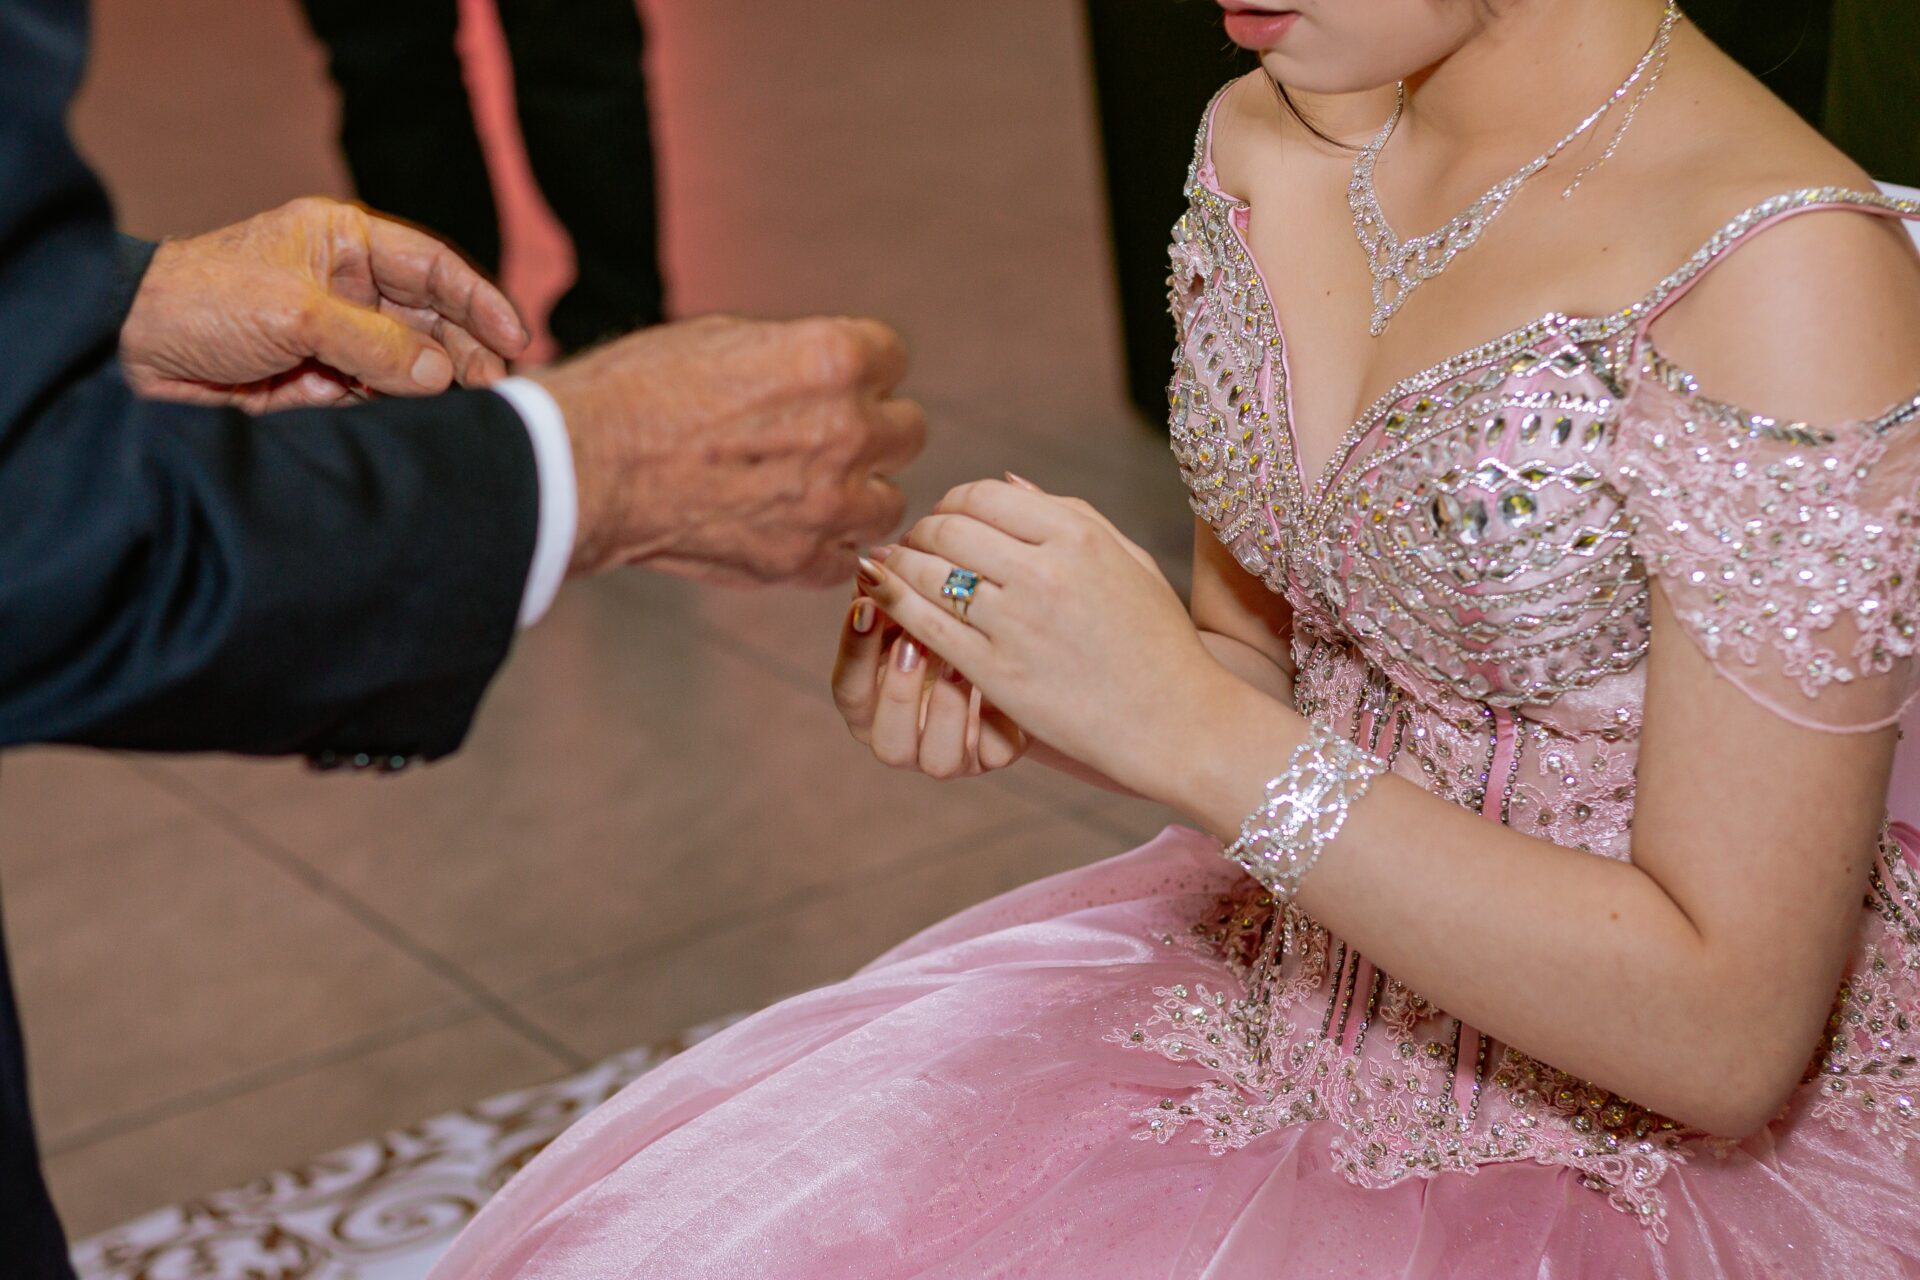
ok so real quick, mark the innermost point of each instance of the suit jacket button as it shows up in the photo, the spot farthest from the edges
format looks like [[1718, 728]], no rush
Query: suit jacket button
[[362, 761], [325, 761]]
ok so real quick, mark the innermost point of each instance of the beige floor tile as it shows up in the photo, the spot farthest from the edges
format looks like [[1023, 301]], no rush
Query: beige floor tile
[[290, 1121], [753, 958], [631, 781], [160, 962], [54, 801]]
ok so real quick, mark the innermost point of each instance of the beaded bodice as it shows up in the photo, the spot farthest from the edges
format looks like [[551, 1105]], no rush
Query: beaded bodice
[[1471, 586]]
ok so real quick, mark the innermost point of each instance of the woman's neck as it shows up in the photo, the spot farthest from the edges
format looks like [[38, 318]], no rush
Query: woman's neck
[[1533, 72]]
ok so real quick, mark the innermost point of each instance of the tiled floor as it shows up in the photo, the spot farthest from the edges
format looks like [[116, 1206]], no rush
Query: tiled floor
[[230, 967]]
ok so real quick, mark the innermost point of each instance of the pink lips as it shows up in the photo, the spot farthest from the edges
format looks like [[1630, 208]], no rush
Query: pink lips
[[1257, 29]]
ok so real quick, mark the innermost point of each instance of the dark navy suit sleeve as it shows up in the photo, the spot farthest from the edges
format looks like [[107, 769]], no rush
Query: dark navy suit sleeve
[[132, 256], [180, 578]]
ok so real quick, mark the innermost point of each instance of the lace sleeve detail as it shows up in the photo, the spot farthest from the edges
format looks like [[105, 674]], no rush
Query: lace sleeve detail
[[1790, 553]]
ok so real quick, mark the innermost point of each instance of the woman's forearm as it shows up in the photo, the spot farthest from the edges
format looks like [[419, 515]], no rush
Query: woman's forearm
[[1058, 760], [1255, 668], [1619, 986]]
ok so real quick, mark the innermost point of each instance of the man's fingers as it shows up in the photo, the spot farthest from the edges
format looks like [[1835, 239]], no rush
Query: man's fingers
[[375, 349], [474, 363], [416, 270], [874, 511], [310, 390], [899, 433], [883, 353]]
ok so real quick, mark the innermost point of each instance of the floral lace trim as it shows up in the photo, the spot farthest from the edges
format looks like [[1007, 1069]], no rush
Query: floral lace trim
[[1578, 800], [1768, 535], [1869, 1063]]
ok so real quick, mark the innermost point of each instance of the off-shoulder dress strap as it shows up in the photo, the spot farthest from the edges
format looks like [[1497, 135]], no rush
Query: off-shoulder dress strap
[[1750, 224], [1203, 166]]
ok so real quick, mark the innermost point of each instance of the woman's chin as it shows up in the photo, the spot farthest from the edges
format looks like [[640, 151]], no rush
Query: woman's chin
[[1317, 78]]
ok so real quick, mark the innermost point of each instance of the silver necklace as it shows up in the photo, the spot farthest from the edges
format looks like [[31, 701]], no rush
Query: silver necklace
[[1401, 266]]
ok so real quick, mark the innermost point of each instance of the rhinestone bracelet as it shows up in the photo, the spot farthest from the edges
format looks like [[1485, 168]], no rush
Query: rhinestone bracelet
[[1304, 810]]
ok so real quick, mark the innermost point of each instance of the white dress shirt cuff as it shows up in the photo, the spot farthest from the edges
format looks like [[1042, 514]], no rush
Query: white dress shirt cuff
[[559, 493]]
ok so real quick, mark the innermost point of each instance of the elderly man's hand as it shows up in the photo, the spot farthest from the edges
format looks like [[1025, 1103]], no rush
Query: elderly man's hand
[[313, 303], [738, 451]]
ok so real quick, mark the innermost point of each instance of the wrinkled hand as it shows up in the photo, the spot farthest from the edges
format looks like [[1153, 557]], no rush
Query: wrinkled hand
[[311, 304], [738, 451], [912, 709], [1073, 630]]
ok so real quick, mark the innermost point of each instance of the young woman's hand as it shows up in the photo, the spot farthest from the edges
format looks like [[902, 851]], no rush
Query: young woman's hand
[[911, 708], [1073, 631]]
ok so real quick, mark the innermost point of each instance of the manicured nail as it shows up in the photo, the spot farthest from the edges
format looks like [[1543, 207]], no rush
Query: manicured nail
[[1022, 481], [881, 553], [431, 368], [907, 655], [870, 573], [863, 617]]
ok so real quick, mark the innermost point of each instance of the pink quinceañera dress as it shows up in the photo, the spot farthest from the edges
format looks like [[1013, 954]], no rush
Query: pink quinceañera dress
[[1142, 1069]]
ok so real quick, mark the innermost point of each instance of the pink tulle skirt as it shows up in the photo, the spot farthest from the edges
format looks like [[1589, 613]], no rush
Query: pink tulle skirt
[[956, 1110]]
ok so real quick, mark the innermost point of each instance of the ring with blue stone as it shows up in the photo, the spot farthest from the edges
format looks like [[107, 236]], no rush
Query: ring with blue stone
[[959, 590]]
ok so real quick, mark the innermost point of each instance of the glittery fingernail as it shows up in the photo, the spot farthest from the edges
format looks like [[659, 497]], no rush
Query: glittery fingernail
[[869, 573], [907, 656], [863, 617]]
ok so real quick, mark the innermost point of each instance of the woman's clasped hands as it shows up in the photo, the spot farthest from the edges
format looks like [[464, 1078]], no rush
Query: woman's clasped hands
[[1072, 636]]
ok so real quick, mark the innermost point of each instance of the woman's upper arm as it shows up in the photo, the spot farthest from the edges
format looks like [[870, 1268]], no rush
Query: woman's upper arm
[[1783, 543], [1228, 601]]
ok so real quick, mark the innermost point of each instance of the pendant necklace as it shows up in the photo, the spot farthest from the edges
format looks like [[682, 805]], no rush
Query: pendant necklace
[[1401, 266]]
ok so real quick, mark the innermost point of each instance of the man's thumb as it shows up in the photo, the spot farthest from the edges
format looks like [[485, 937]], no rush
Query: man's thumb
[[377, 350]]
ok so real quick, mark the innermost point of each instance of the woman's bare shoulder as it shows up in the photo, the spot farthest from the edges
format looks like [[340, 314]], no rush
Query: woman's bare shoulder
[[1242, 123], [1728, 145], [1816, 316], [1254, 131]]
